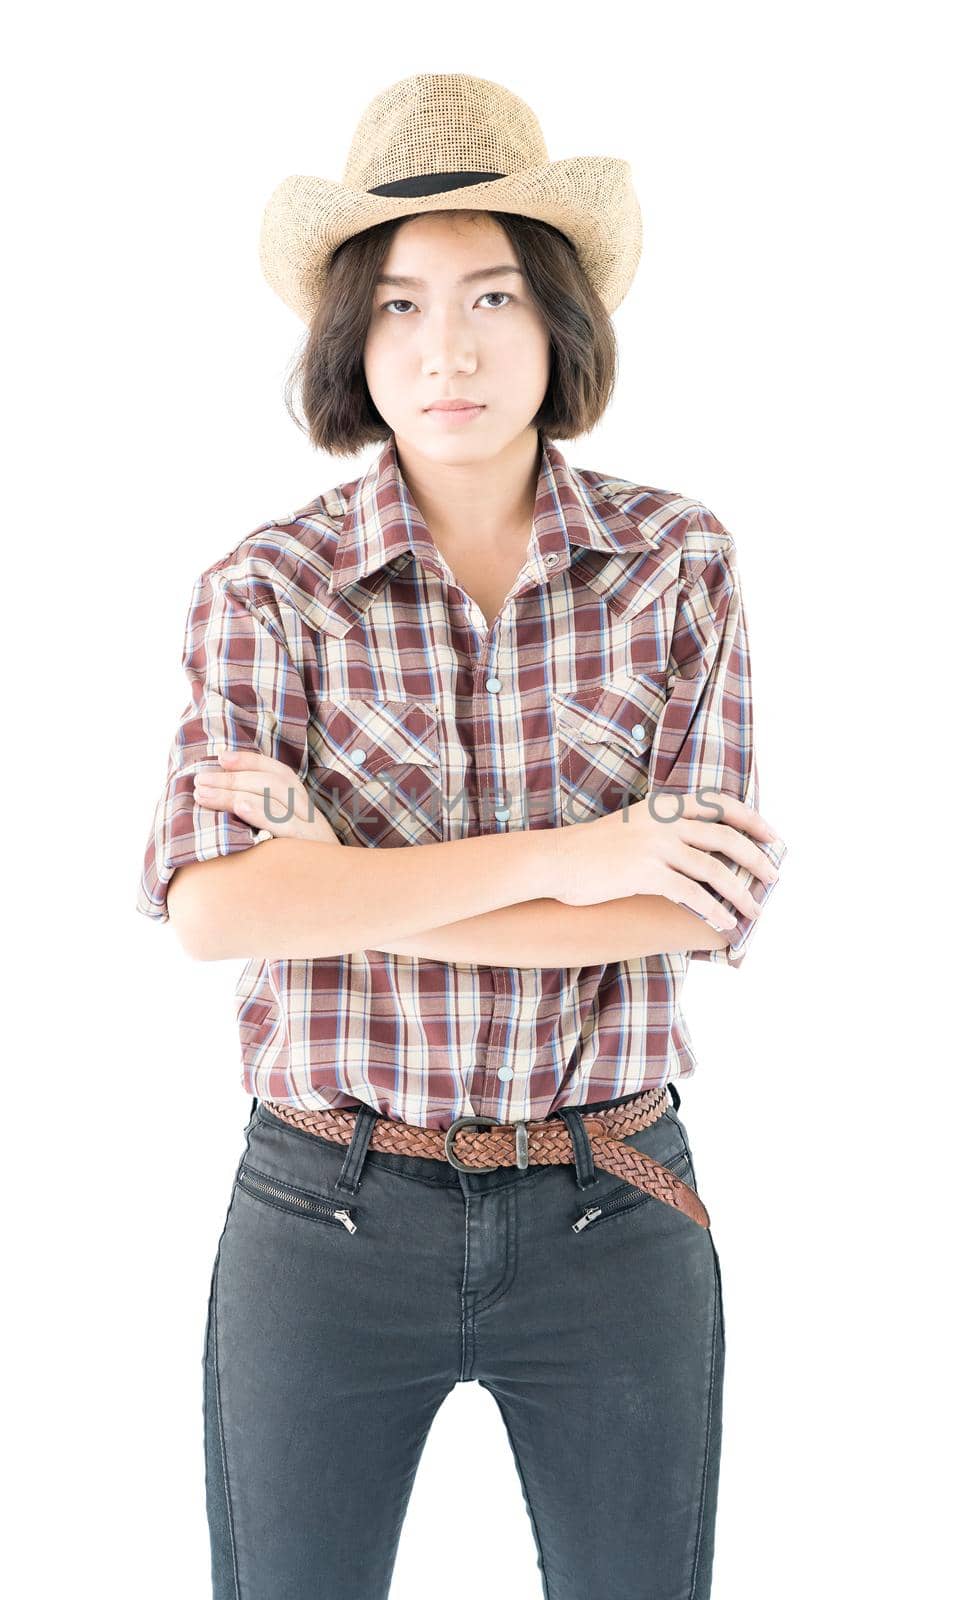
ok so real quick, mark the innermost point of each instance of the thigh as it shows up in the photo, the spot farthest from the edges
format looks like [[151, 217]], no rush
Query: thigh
[[607, 1365], [321, 1377]]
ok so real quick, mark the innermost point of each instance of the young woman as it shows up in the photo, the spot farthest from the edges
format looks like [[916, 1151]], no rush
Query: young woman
[[463, 1161]]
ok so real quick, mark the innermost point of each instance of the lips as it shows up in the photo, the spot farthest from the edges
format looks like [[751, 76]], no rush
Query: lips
[[452, 416]]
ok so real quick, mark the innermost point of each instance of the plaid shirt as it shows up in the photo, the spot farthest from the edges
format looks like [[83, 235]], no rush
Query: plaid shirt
[[336, 641]]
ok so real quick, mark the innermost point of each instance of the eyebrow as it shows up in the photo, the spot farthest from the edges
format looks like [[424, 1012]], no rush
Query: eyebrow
[[468, 277]]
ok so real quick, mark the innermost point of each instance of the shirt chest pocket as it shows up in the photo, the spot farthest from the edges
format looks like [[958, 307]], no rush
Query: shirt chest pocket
[[605, 736], [375, 771]]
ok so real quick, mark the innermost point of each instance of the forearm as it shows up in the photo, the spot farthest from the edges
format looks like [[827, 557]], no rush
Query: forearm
[[297, 899], [547, 933]]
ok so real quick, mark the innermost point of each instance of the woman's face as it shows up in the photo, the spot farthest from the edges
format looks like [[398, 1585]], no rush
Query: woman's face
[[439, 337]]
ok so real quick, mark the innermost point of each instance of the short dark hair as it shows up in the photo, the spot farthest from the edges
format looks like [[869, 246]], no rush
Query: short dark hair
[[329, 370]]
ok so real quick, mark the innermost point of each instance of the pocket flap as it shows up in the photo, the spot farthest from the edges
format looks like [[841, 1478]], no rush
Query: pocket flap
[[371, 736], [624, 714]]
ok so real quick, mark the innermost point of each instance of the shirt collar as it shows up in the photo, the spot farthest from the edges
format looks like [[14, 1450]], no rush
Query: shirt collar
[[383, 525]]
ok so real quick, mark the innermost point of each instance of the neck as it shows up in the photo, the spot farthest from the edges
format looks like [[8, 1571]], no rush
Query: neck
[[468, 504]]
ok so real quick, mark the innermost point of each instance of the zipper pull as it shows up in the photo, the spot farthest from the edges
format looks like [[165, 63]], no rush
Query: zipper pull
[[347, 1220], [585, 1218]]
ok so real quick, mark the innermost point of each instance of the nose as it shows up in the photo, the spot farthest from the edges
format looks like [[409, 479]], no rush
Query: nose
[[448, 346]]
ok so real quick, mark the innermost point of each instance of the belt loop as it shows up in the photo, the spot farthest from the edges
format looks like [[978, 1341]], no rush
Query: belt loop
[[674, 1094], [353, 1161], [584, 1163], [254, 1104]]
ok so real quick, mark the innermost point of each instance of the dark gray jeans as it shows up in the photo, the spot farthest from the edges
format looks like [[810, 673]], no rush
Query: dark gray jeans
[[328, 1352]]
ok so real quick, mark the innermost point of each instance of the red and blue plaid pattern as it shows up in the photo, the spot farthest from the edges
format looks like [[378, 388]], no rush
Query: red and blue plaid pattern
[[335, 640]]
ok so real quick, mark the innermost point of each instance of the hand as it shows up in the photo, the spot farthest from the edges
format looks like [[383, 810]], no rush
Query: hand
[[662, 845], [265, 793]]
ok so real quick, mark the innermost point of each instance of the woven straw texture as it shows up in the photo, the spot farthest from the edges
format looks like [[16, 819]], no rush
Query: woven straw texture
[[451, 122]]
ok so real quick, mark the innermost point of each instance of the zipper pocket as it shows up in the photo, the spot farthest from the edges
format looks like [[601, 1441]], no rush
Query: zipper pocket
[[275, 1192], [623, 1199]]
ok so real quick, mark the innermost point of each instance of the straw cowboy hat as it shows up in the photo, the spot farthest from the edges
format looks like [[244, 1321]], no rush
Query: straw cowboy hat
[[440, 141]]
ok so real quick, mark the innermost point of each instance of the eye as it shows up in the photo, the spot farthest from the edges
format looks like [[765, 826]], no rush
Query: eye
[[499, 293]]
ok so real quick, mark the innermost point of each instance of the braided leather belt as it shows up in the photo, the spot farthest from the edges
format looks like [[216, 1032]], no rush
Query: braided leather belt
[[486, 1143]]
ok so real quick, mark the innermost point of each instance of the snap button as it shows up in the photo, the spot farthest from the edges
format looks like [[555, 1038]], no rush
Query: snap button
[[550, 559], [502, 815], [505, 1073], [639, 732], [358, 756], [492, 684]]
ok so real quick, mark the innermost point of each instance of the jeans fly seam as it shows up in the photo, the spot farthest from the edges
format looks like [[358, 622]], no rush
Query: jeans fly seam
[[710, 1421], [511, 1269], [221, 1440]]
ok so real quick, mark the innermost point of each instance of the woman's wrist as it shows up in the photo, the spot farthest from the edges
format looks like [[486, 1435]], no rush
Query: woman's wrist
[[550, 861]]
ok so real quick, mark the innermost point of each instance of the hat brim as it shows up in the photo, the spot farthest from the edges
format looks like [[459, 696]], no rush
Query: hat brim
[[591, 199]]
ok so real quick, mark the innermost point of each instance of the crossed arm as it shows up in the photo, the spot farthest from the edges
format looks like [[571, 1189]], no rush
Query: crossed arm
[[303, 899], [548, 933], [291, 896]]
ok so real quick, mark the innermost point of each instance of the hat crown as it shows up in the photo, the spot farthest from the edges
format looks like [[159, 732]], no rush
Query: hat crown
[[443, 122]]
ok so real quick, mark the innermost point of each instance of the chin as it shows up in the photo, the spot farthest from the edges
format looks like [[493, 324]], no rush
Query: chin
[[449, 446]]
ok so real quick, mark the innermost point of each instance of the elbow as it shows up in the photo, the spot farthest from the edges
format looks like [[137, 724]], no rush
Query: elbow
[[187, 910], [195, 941]]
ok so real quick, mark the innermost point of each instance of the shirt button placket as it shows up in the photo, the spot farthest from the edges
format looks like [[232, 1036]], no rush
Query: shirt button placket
[[503, 992], [493, 686]]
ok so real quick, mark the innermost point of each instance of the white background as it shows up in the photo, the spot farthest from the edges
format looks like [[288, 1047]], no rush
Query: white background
[[798, 351]]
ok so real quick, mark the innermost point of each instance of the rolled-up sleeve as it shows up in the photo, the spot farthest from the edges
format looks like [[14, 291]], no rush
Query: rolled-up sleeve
[[246, 693], [704, 740]]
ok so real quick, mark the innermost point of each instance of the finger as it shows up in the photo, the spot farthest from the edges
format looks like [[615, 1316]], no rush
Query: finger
[[244, 806], [713, 805], [250, 780], [266, 796], [234, 757], [684, 892], [707, 869], [252, 769], [711, 836], [252, 809], [243, 781], [235, 760]]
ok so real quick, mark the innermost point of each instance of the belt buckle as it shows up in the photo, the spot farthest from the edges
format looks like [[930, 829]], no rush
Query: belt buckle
[[520, 1136], [468, 1122]]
